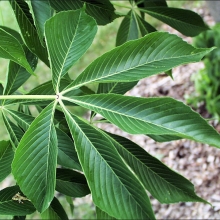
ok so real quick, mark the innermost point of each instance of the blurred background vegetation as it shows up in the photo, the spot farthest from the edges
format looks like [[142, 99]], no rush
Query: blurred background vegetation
[[103, 42]]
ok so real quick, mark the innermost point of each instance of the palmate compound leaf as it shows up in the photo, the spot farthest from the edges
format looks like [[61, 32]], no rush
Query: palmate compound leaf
[[6, 157], [10, 48], [164, 184], [114, 188], [34, 164], [154, 116], [67, 156], [67, 43], [155, 53], [8, 206]]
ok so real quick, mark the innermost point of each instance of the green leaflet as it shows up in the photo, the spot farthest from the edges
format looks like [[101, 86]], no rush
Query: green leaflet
[[6, 157], [102, 215], [155, 53], [117, 88], [10, 48], [185, 21], [15, 133], [71, 183], [164, 184], [41, 12], [1, 92], [128, 29], [28, 29], [144, 27], [67, 156], [154, 116], [67, 43], [164, 138], [17, 75], [69, 200], [124, 197], [55, 211], [34, 164], [151, 3], [19, 217], [8, 206], [101, 10], [23, 120]]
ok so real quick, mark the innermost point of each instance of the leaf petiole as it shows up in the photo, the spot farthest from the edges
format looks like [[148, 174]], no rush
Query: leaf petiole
[[47, 97]]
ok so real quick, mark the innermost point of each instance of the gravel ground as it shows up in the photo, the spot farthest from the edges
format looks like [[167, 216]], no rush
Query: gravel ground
[[197, 162]]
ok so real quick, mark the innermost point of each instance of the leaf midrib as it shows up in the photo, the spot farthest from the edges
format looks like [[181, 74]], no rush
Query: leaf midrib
[[115, 73], [142, 163], [128, 116], [105, 161], [64, 61]]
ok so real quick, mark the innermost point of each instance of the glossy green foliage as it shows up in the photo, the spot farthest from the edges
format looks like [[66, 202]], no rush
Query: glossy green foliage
[[51, 151]]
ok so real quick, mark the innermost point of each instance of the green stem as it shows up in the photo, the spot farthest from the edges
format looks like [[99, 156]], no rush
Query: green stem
[[47, 97]]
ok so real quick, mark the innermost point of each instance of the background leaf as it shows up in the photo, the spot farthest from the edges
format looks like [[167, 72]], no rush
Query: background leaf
[[185, 21], [144, 27], [23, 120], [128, 29], [10, 48], [67, 155], [28, 29], [6, 157], [15, 133], [151, 3], [101, 10], [17, 75], [71, 183], [124, 197], [41, 12], [55, 211], [34, 164], [157, 116], [117, 88], [12, 207], [67, 43]]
